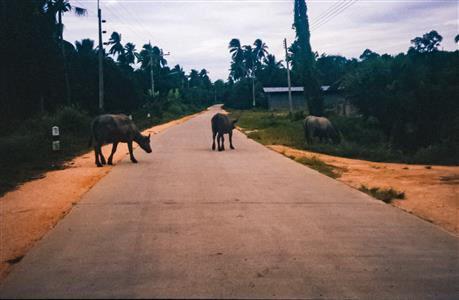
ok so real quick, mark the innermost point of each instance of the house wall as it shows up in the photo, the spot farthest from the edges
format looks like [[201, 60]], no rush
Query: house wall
[[279, 101]]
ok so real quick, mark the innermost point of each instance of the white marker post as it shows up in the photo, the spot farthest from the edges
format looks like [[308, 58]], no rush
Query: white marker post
[[148, 116], [130, 117], [56, 137]]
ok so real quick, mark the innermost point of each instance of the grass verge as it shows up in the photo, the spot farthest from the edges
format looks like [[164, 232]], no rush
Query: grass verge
[[318, 165], [386, 195], [361, 139]]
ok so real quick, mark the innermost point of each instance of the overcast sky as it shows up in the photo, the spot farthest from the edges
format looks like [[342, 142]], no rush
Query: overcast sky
[[197, 32]]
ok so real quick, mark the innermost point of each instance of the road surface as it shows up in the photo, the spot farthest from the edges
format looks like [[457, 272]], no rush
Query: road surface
[[246, 223]]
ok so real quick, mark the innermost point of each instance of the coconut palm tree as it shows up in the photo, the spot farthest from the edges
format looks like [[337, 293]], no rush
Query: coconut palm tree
[[260, 51], [117, 48], [151, 58], [270, 63], [115, 40], [237, 70], [130, 53], [56, 9], [85, 47]]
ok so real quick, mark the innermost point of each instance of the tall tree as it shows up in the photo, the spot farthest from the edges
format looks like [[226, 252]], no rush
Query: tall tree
[[85, 47], [117, 48], [56, 9], [260, 51], [237, 70], [304, 59], [130, 53], [429, 42]]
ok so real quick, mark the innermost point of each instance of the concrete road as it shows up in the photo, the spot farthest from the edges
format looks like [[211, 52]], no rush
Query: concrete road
[[248, 223]]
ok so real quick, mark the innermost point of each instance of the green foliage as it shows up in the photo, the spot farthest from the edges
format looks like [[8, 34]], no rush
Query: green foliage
[[413, 98], [362, 138], [429, 42], [386, 195], [318, 165]]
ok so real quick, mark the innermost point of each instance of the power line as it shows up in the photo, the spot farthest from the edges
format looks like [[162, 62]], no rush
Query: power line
[[332, 16], [118, 18], [336, 5], [332, 13], [135, 19]]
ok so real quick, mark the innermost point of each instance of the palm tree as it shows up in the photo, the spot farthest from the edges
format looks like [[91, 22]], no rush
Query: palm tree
[[250, 66], [56, 8], [130, 53], [237, 70], [270, 63], [151, 58], [85, 47], [115, 40], [117, 48], [194, 79], [205, 80], [260, 51]]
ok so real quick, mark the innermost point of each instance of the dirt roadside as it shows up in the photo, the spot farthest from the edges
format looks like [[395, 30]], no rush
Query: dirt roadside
[[431, 192], [28, 213]]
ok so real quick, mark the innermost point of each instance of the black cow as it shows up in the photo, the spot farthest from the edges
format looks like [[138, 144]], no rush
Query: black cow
[[115, 129], [221, 124]]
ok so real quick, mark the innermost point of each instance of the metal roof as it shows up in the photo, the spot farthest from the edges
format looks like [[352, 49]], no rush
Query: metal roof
[[294, 89], [282, 89]]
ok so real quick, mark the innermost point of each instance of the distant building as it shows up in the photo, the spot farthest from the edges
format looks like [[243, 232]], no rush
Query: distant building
[[278, 98], [334, 99]]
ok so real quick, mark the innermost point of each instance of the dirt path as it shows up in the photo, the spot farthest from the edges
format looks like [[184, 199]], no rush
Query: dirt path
[[431, 192], [28, 213]]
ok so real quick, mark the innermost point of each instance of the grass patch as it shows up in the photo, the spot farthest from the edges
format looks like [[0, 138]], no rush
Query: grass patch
[[386, 195], [360, 138], [318, 165]]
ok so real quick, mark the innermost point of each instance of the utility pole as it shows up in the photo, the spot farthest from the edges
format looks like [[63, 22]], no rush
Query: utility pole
[[151, 71], [101, 60], [161, 54], [253, 90], [288, 78]]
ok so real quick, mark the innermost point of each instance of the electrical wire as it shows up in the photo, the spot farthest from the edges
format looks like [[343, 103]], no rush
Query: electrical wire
[[334, 15]]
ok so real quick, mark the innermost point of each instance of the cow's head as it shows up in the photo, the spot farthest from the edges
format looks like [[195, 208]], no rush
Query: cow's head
[[233, 123], [144, 143]]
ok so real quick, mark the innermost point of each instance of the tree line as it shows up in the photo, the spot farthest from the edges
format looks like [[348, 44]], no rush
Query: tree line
[[409, 98], [42, 71]]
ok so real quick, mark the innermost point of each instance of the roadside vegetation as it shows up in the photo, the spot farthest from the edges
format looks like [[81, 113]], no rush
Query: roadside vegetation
[[49, 81], [361, 139], [26, 149], [318, 165], [386, 195]]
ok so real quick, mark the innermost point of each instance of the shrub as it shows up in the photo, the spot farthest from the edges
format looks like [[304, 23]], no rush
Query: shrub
[[386, 195]]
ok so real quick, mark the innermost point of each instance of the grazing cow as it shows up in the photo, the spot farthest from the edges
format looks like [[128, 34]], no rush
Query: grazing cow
[[221, 124], [115, 129], [320, 127]]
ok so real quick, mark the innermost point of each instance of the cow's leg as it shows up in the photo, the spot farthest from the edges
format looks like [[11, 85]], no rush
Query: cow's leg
[[231, 139], [219, 141], [131, 153], [110, 158], [223, 142], [214, 133], [96, 152], [102, 157]]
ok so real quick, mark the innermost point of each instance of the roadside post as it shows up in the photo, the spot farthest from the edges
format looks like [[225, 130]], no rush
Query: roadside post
[[56, 138]]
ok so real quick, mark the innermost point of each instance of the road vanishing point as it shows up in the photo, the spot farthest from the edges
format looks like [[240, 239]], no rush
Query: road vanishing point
[[189, 222]]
